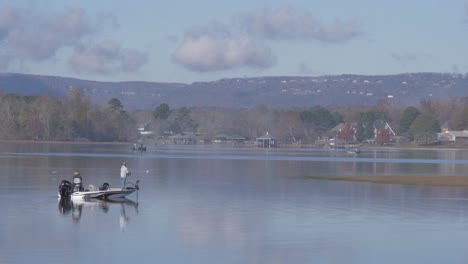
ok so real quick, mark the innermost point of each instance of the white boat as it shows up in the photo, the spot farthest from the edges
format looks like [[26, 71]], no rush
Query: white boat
[[104, 192], [353, 151], [110, 193]]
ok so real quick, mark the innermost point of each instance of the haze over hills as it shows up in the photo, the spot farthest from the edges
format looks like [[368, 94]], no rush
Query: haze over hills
[[280, 91]]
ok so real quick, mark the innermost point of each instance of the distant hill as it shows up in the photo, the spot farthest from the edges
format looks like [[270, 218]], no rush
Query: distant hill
[[281, 91]]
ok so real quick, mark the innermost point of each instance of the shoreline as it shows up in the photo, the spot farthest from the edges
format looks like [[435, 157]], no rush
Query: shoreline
[[446, 181], [62, 142], [248, 144]]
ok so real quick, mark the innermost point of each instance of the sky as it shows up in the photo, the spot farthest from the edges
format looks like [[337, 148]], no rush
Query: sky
[[207, 40]]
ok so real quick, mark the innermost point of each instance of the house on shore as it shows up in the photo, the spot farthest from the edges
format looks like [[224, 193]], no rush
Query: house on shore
[[267, 141], [453, 137]]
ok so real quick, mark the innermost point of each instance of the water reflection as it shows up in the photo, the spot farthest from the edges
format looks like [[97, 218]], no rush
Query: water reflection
[[74, 207]]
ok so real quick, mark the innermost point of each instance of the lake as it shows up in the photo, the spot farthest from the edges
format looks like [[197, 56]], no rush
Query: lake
[[220, 204]]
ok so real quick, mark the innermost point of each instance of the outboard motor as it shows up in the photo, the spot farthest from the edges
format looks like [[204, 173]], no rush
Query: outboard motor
[[65, 188]]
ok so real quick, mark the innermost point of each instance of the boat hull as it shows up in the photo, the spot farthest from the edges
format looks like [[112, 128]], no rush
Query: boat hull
[[113, 193]]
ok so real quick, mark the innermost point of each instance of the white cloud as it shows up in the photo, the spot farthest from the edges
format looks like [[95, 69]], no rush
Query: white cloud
[[210, 53], [338, 31], [218, 46], [27, 36], [33, 37], [71, 25], [288, 23], [106, 58], [280, 23]]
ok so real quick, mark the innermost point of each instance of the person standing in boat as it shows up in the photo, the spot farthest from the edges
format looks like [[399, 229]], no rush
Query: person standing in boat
[[123, 174]]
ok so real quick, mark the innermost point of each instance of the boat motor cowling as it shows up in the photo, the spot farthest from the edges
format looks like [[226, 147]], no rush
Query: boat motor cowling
[[65, 188]]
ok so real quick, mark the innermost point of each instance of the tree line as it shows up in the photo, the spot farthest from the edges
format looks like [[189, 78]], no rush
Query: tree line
[[418, 123], [74, 118]]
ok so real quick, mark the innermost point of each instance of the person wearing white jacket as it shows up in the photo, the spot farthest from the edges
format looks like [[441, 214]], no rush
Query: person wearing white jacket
[[123, 174]]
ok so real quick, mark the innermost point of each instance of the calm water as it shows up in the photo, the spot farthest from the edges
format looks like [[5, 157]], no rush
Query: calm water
[[230, 205]]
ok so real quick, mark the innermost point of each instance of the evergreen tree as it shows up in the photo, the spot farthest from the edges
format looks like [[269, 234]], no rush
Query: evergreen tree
[[409, 115], [424, 128], [162, 112], [116, 104]]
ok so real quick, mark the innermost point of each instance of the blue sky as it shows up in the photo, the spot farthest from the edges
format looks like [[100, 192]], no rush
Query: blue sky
[[205, 40]]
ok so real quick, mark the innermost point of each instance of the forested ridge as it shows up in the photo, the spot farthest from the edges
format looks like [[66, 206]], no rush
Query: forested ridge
[[75, 118], [404, 89]]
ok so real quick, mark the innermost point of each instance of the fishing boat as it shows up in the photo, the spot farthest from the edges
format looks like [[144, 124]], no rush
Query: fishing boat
[[353, 151], [104, 192]]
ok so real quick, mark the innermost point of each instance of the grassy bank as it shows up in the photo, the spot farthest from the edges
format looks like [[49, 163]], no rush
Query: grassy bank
[[451, 181]]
